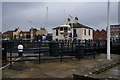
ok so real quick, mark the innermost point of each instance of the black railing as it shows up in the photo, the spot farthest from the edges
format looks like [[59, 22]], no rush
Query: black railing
[[77, 48]]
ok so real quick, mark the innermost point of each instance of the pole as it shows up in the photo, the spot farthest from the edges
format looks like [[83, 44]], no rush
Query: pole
[[64, 15], [72, 26], [108, 32], [46, 16], [72, 31]]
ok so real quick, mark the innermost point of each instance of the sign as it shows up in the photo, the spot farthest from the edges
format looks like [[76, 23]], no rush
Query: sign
[[70, 35], [75, 35]]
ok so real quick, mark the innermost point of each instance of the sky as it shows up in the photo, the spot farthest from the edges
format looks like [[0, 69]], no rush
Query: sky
[[33, 14]]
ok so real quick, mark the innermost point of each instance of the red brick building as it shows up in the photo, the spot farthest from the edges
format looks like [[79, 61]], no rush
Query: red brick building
[[100, 35]]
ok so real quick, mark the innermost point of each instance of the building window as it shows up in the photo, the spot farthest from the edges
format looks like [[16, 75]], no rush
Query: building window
[[74, 31], [84, 31], [97, 35], [56, 39], [102, 35], [89, 32], [56, 32]]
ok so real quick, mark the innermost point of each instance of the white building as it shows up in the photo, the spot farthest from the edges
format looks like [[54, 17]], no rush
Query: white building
[[79, 31]]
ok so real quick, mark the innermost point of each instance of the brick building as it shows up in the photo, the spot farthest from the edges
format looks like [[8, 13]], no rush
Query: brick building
[[100, 34], [115, 32], [32, 32]]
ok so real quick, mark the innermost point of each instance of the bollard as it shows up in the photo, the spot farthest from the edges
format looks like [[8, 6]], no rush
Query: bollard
[[20, 50]]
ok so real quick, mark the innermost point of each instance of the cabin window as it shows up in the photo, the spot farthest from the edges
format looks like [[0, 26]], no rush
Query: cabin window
[[65, 29], [56, 32], [61, 28]]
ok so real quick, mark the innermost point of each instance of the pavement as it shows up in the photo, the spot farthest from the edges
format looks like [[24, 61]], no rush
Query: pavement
[[57, 69]]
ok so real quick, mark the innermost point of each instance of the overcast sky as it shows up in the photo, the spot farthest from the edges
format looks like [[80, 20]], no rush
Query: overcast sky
[[33, 14]]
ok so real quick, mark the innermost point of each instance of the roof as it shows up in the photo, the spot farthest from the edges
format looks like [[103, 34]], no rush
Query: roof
[[24, 32], [64, 25], [56, 28], [7, 32], [115, 25], [34, 29], [76, 25]]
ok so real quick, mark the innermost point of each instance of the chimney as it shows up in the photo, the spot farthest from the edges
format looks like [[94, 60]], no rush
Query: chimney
[[76, 19], [68, 20]]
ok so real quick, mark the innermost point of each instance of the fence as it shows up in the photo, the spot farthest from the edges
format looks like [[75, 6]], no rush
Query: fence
[[78, 48]]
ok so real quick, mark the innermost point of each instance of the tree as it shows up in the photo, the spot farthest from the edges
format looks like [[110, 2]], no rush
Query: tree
[[15, 37], [23, 37], [11, 38], [35, 37], [28, 36]]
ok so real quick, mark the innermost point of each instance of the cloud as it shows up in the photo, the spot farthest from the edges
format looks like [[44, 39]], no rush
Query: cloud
[[18, 14]]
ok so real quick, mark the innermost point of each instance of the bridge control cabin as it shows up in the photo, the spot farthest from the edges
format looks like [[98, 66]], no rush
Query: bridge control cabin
[[80, 31]]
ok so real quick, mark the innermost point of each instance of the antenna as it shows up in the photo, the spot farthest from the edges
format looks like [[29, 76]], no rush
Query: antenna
[[46, 16], [64, 15]]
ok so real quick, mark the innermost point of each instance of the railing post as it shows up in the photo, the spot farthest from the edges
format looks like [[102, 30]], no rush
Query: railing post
[[72, 46], [61, 52], [10, 47], [95, 45], [39, 52]]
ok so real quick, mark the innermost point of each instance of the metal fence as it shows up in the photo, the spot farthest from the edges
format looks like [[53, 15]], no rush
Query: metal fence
[[77, 48]]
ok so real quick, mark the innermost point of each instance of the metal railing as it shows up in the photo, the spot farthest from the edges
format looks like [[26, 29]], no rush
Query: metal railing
[[77, 48]]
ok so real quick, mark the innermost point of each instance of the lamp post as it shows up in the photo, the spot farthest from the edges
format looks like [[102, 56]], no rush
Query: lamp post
[[108, 32]]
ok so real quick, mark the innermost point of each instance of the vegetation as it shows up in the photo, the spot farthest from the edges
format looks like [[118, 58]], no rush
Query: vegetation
[[23, 37], [15, 37]]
